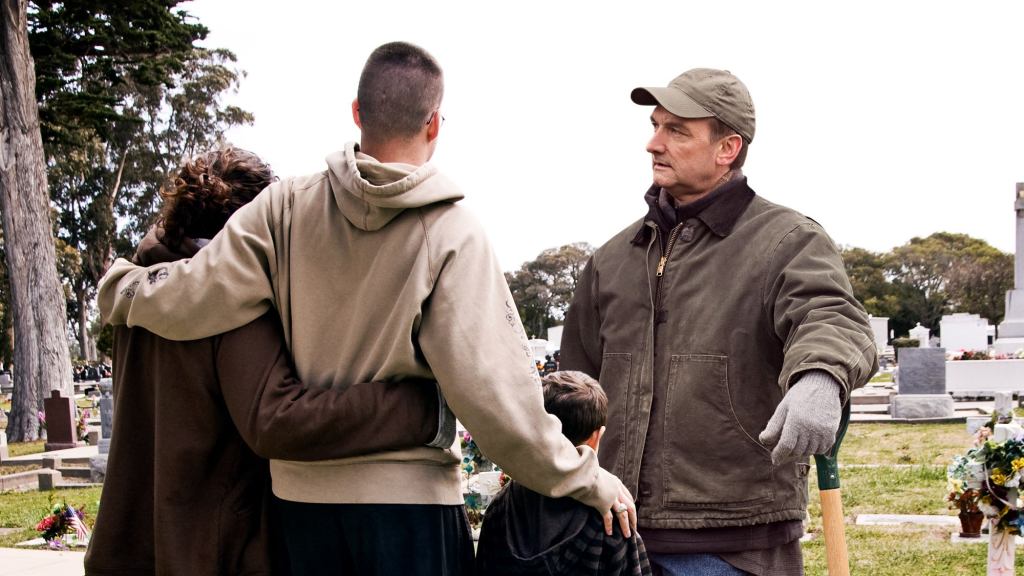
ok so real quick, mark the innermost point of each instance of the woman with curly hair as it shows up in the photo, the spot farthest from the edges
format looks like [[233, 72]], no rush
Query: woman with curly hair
[[187, 489]]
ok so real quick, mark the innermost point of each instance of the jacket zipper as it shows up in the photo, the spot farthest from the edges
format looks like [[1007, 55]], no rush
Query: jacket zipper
[[661, 265]]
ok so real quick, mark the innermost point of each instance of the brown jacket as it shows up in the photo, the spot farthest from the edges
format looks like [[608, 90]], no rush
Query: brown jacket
[[184, 492], [696, 358]]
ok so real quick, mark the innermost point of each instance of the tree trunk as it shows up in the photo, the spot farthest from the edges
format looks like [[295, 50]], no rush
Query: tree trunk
[[83, 326], [42, 361]]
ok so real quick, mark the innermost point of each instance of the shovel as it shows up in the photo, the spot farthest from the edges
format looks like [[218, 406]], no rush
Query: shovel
[[832, 503]]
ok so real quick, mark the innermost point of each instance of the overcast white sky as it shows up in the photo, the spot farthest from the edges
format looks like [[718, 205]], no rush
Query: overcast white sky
[[881, 120]]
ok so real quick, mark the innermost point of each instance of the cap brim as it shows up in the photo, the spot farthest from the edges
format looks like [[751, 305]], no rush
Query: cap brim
[[671, 99]]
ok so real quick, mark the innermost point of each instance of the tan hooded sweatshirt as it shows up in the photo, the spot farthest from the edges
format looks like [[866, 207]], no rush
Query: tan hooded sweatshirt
[[378, 276]]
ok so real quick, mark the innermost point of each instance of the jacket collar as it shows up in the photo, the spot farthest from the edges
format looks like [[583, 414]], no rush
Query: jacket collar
[[719, 210]]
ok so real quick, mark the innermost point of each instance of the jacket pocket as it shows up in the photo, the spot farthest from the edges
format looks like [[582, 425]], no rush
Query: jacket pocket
[[614, 379], [709, 460]]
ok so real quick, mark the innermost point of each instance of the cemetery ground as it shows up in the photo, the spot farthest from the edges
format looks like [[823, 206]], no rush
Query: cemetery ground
[[885, 469]]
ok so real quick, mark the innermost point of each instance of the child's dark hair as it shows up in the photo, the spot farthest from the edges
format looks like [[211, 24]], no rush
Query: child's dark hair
[[578, 401]]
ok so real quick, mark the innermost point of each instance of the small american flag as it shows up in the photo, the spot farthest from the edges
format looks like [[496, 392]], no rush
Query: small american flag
[[75, 521]]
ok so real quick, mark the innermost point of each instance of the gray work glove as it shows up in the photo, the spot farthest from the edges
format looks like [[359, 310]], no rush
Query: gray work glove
[[806, 420]]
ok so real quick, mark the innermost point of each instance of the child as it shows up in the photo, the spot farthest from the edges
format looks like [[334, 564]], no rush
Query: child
[[525, 533]]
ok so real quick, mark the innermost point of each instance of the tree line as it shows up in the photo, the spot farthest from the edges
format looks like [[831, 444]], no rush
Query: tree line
[[105, 99], [916, 282]]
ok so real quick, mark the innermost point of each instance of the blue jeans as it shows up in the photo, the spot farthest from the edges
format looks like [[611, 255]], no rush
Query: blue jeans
[[694, 565]]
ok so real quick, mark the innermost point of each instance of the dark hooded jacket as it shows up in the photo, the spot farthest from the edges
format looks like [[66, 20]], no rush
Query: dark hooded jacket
[[526, 534]]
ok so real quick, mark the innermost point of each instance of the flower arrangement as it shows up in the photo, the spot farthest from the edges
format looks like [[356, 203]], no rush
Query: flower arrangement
[[80, 425], [988, 476], [983, 355], [63, 525], [478, 487], [959, 496]]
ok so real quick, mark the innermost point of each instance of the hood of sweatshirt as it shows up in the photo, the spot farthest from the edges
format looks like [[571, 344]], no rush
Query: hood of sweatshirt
[[371, 193]]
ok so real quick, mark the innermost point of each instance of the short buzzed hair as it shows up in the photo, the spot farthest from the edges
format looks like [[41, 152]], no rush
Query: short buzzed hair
[[578, 401], [400, 87]]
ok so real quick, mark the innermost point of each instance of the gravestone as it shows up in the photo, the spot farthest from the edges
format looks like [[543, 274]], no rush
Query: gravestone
[[106, 415], [60, 422], [921, 382], [1003, 406], [98, 463], [4, 451], [880, 331], [538, 348], [921, 334], [963, 331], [1011, 331]]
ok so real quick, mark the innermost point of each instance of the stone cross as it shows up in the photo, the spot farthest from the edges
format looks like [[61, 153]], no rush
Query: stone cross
[[60, 422]]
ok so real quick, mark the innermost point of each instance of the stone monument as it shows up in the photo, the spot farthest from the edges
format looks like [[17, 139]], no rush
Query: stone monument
[[921, 334], [921, 382], [1011, 331], [962, 331], [60, 422], [880, 330]]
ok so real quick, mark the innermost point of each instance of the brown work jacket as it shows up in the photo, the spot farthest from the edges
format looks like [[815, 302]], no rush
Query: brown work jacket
[[696, 340]]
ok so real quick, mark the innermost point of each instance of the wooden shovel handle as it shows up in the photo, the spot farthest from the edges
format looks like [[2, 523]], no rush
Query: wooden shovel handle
[[832, 503], [835, 533]]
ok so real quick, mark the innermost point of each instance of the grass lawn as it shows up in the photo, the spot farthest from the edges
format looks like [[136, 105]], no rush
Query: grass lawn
[[903, 443], [882, 377], [23, 448]]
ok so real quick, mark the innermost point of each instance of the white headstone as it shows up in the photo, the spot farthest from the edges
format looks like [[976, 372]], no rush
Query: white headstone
[[921, 334], [964, 332], [1003, 405], [555, 338], [880, 329], [539, 348]]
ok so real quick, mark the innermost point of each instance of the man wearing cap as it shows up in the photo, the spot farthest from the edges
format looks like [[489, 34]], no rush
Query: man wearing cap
[[725, 332]]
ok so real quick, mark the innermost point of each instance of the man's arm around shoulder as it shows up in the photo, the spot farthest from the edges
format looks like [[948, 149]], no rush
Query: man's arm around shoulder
[[226, 285]]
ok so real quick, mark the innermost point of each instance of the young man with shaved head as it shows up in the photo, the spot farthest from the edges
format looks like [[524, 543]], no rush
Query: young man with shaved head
[[724, 330], [378, 275]]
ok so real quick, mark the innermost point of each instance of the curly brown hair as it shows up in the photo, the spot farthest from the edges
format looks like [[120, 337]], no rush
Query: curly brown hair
[[207, 191]]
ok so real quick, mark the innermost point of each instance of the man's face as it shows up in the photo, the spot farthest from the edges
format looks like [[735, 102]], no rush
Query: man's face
[[683, 155]]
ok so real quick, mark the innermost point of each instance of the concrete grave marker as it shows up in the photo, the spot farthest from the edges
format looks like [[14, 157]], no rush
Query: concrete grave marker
[[922, 371], [922, 385], [920, 333], [964, 332], [106, 415]]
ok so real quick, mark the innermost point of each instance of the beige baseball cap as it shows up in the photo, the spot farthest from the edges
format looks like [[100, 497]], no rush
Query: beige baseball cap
[[704, 93]]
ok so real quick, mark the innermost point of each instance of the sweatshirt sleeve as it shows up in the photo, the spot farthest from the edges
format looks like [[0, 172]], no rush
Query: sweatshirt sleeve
[[281, 418], [811, 304], [226, 285], [473, 340]]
